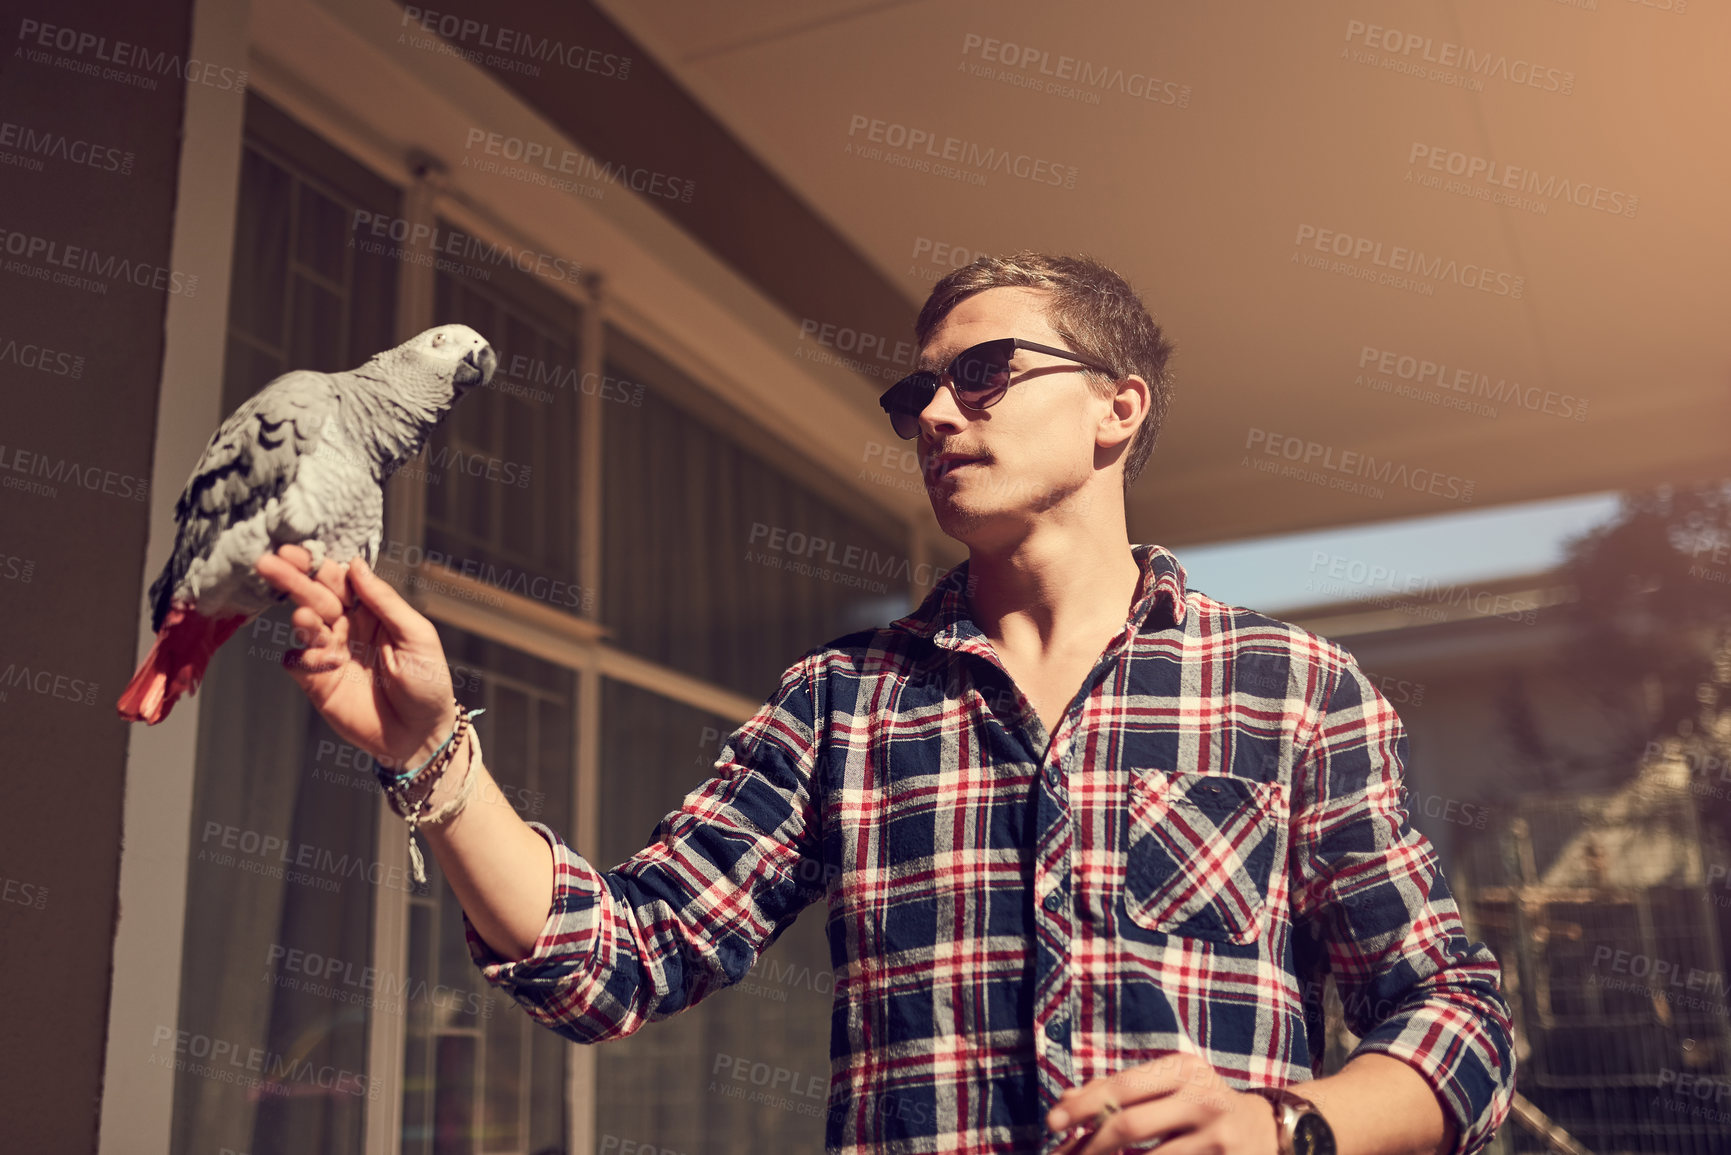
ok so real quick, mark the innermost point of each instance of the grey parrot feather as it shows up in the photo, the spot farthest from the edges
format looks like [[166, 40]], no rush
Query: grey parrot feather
[[250, 460], [303, 461]]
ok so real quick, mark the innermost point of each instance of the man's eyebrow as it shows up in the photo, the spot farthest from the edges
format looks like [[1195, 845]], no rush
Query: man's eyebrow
[[936, 359]]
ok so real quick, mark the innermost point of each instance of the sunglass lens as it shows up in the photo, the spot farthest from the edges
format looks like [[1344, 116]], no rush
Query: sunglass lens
[[907, 399], [981, 372]]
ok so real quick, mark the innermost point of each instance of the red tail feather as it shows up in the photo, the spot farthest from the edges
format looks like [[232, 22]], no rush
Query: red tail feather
[[175, 664]]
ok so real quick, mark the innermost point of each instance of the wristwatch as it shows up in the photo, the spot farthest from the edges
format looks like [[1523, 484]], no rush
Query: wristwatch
[[1303, 1130]]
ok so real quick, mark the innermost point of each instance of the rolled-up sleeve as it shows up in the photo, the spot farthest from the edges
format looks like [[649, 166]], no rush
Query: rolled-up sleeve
[[689, 914], [1370, 886]]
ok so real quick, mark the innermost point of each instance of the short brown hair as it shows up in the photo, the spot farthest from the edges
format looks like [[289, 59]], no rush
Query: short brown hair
[[1093, 309]]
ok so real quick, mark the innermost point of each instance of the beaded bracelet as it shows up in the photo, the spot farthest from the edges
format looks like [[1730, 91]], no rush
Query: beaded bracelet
[[394, 787], [408, 775], [464, 792], [403, 797]]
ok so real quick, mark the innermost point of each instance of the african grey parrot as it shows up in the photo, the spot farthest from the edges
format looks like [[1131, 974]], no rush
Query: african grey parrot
[[302, 461]]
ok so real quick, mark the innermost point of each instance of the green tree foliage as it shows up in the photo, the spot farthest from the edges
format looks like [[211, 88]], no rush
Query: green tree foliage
[[1652, 643]]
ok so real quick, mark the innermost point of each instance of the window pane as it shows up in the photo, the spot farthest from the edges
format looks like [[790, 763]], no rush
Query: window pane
[[279, 917], [418, 1054], [320, 235], [297, 197], [277, 969], [709, 555], [507, 1036], [547, 1123], [454, 1106], [316, 339], [261, 247], [501, 502], [490, 1082], [247, 368], [658, 1087]]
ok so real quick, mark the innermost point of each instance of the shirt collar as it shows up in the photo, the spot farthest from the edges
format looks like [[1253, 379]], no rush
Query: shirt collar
[[944, 617]]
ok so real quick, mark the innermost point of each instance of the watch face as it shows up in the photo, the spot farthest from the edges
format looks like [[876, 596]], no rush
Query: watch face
[[1311, 1136]]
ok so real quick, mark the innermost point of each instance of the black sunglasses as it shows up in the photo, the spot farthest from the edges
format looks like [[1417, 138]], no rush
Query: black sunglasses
[[979, 374]]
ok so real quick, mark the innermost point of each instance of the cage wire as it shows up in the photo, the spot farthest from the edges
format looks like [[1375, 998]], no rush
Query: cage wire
[[1609, 923]]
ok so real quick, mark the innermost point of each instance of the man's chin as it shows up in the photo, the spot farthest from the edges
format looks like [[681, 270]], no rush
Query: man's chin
[[961, 518]]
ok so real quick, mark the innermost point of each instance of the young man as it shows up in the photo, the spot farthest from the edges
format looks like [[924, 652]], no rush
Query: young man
[[1090, 839]]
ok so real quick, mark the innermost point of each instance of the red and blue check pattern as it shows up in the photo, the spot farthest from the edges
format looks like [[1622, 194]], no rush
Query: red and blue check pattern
[[1216, 824]]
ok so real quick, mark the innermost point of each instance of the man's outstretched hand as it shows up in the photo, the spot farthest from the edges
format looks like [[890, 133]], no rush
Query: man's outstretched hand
[[1177, 1101], [372, 664]]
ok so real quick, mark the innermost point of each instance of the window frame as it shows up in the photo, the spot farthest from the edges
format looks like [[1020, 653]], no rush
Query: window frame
[[577, 642], [344, 114]]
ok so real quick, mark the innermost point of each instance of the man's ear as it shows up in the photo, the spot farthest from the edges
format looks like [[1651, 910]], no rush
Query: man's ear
[[1129, 409]]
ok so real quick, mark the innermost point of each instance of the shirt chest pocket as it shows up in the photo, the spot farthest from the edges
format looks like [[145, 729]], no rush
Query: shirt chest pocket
[[1199, 852]]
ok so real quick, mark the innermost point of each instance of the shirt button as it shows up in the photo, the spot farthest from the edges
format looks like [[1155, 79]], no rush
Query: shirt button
[[1054, 900], [1057, 1030]]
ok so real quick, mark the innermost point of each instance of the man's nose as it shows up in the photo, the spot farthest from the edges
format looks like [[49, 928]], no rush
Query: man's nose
[[942, 412]]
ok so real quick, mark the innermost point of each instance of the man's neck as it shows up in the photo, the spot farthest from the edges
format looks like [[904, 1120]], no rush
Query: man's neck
[[1053, 592]]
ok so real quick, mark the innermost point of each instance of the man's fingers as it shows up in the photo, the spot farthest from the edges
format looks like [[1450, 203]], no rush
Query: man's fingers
[[335, 578], [296, 555], [291, 578], [1137, 1126], [314, 633], [329, 650], [1081, 1106], [379, 596], [310, 662], [310, 630]]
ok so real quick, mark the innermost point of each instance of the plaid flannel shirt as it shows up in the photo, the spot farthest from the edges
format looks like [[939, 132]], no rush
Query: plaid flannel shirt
[[1217, 822]]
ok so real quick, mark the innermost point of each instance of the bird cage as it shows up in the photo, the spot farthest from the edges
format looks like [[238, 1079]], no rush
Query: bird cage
[[1608, 914]]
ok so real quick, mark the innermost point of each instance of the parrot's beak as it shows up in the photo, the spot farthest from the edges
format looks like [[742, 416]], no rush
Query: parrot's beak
[[477, 367]]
